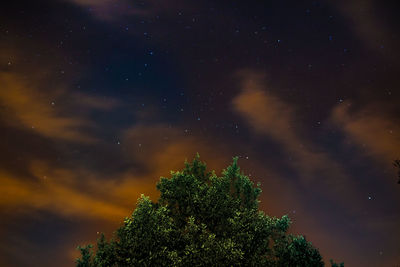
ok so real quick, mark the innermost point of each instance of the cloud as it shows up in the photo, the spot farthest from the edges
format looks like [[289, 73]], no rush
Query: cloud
[[93, 102], [78, 193], [269, 116], [363, 16], [110, 10], [264, 112], [168, 147], [377, 134], [31, 109], [29, 106]]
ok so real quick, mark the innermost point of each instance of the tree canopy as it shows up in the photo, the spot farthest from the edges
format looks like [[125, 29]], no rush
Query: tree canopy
[[202, 219]]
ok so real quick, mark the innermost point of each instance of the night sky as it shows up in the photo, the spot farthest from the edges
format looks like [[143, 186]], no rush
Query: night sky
[[98, 99]]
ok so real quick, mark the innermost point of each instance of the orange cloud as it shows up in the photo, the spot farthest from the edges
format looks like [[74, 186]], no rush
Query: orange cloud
[[51, 195], [168, 147], [78, 193], [377, 134], [269, 116], [33, 108], [263, 111]]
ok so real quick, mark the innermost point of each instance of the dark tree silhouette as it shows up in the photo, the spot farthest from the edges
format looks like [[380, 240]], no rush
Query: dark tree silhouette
[[396, 163], [203, 220]]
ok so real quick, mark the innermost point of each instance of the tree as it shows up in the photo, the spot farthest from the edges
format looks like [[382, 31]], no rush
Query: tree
[[396, 163], [201, 219]]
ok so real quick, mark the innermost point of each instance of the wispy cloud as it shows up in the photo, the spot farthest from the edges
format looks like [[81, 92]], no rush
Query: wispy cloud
[[68, 193], [31, 109], [363, 16], [269, 116], [40, 105], [110, 10], [377, 134]]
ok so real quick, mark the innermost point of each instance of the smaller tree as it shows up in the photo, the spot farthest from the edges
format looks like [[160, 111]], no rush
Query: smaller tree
[[201, 219], [334, 264], [396, 163]]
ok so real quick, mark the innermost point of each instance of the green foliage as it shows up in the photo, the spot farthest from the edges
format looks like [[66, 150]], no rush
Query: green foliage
[[296, 251], [86, 255], [334, 264], [202, 220]]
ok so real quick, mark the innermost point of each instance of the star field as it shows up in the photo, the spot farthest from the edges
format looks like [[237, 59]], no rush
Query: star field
[[99, 99]]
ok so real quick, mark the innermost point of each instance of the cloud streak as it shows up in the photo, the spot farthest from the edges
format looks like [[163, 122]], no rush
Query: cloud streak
[[376, 134], [69, 193], [363, 17], [110, 10], [55, 113], [32, 110], [269, 116]]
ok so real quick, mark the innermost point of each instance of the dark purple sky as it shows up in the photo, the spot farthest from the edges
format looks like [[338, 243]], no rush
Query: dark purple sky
[[97, 101]]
